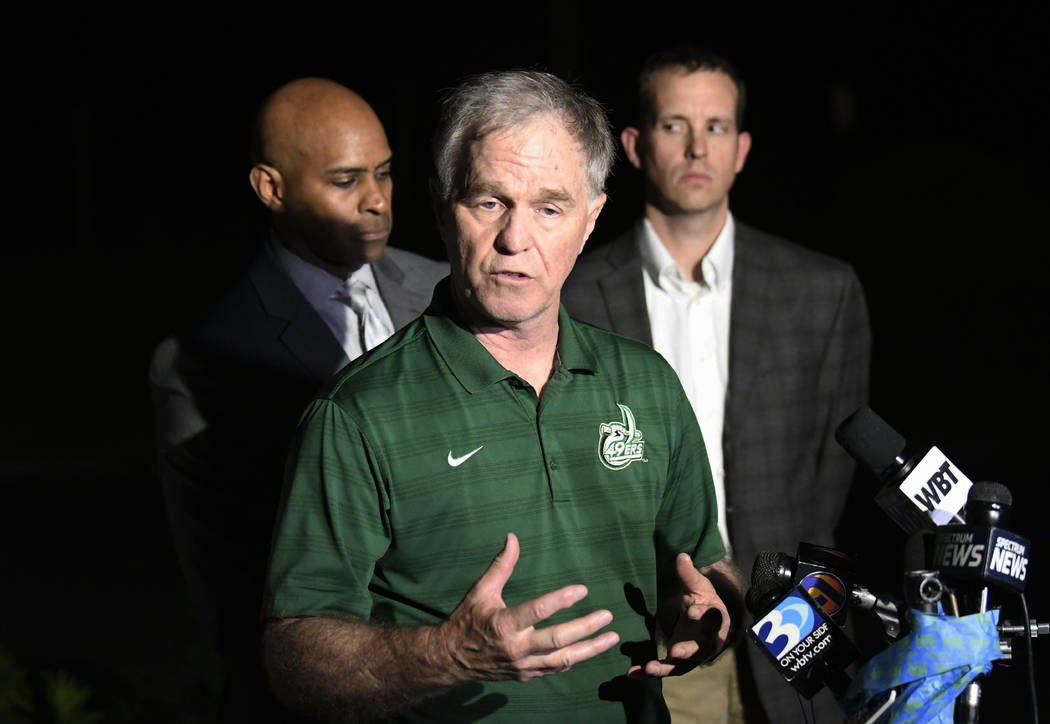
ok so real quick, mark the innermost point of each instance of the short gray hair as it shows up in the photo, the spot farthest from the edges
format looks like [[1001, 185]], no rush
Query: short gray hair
[[492, 102]]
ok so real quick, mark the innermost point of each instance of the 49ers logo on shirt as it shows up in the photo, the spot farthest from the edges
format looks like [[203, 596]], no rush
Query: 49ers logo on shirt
[[620, 442]]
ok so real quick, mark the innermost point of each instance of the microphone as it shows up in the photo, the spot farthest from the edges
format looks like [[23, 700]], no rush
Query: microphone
[[989, 503], [804, 644], [825, 573], [979, 555], [921, 490], [829, 577], [982, 551]]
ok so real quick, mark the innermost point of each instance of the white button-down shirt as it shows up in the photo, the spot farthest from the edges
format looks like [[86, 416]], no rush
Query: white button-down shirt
[[690, 327]]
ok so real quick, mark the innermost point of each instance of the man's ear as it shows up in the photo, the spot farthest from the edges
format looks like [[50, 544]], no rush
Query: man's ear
[[268, 186], [630, 137], [595, 208], [437, 205], [743, 145]]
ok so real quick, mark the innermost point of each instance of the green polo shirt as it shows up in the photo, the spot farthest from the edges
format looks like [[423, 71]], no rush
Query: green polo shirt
[[411, 468]]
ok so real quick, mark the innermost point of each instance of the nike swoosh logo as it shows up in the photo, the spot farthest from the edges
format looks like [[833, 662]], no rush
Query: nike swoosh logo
[[456, 462]]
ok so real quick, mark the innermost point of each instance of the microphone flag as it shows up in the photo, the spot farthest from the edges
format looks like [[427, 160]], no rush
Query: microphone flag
[[933, 663], [804, 644]]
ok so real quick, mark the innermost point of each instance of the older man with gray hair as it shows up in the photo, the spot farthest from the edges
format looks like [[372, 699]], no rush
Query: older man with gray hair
[[496, 419]]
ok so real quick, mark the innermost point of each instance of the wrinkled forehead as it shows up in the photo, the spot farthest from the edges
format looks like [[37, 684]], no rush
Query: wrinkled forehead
[[537, 137], [540, 148]]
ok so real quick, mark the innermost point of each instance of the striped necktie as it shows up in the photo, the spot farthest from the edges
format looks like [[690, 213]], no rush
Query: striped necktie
[[372, 329]]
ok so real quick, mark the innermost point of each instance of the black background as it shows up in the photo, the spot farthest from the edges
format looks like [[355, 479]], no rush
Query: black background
[[910, 142]]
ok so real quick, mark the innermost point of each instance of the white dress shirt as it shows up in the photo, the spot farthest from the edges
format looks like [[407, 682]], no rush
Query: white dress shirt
[[325, 292], [690, 327]]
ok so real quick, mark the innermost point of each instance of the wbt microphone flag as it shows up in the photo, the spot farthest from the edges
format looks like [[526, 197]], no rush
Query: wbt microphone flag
[[919, 491], [804, 644]]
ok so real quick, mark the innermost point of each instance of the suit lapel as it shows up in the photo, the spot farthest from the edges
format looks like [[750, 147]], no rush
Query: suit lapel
[[748, 319], [623, 289], [298, 326], [623, 295], [403, 301]]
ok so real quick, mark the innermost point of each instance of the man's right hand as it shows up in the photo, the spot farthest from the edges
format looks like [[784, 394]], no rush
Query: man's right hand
[[488, 640]]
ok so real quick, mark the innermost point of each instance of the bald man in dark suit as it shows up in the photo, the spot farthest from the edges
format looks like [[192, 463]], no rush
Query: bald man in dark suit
[[228, 391], [770, 340]]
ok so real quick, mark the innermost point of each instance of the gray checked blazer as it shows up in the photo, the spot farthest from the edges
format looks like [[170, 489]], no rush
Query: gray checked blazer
[[799, 350]]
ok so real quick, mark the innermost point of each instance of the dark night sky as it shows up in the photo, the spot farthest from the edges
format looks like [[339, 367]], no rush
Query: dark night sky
[[908, 142]]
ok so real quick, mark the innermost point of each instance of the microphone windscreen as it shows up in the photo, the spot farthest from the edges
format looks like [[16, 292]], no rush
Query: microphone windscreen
[[768, 566], [988, 503], [989, 492], [870, 441], [770, 578]]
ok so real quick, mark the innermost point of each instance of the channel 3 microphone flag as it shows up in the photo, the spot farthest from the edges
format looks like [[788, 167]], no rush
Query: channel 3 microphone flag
[[933, 664]]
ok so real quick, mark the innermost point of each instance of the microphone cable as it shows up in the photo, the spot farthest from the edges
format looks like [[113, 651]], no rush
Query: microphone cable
[[1029, 657]]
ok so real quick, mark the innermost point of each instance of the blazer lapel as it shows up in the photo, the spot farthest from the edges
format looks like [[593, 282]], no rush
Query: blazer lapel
[[298, 326], [403, 301], [623, 289], [748, 319]]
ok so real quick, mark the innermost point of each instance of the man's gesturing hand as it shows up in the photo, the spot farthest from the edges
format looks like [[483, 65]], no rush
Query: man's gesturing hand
[[701, 630], [487, 640]]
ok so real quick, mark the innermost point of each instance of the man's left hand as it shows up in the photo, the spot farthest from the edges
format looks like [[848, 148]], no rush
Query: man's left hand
[[701, 630]]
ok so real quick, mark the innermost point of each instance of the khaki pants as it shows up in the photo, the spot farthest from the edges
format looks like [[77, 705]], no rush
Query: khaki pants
[[707, 694]]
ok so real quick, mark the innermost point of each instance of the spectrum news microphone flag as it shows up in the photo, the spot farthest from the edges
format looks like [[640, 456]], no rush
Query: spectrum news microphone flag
[[933, 664]]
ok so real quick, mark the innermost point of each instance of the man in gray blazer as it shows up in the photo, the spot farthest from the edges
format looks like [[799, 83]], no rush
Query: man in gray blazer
[[229, 390], [771, 342]]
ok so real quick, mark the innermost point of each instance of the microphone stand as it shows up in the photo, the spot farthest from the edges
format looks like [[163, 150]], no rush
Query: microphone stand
[[967, 704]]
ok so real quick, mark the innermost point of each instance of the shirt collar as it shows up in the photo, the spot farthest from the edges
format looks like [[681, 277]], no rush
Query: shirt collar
[[472, 364], [575, 355], [316, 284], [717, 264]]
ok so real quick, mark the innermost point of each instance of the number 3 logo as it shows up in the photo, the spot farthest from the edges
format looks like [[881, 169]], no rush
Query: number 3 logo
[[788, 623]]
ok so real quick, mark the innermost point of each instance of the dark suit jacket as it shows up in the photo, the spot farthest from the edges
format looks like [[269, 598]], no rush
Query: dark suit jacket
[[799, 349], [227, 397]]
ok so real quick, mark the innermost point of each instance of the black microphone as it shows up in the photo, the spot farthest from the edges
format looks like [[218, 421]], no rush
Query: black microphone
[[981, 551], [829, 576], [804, 644], [771, 577], [921, 490], [977, 556]]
